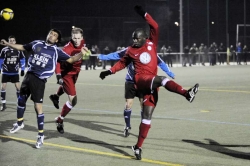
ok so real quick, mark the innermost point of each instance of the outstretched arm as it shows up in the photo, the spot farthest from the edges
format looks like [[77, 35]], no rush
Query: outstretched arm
[[112, 56], [14, 46], [84, 52], [165, 67], [154, 28]]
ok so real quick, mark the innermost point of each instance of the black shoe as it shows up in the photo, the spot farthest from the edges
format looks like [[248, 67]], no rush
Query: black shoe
[[55, 99], [3, 107], [137, 152], [191, 93], [126, 131], [59, 126]]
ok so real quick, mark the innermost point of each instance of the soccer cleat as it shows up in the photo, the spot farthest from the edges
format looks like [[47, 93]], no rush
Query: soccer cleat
[[16, 128], [55, 99], [137, 152], [39, 141], [3, 107], [191, 93], [59, 126], [126, 131]]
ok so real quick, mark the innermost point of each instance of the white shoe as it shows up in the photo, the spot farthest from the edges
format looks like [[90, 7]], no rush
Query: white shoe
[[16, 128], [39, 141]]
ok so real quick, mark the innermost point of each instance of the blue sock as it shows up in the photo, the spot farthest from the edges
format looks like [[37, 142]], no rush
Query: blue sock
[[17, 93], [20, 113], [40, 123], [3, 95], [127, 114]]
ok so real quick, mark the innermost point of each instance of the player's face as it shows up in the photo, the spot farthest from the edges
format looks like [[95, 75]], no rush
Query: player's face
[[77, 38], [138, 39], [52, 37], [12, 40]]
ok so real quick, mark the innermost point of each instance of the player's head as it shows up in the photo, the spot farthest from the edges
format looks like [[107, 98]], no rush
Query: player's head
[[12, 39], [54, 36], [139, 37], [77, 36]]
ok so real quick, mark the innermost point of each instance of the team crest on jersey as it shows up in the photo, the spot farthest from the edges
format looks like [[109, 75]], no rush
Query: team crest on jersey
[[38, 49], [149, 48], [145, 58], [8, 54]]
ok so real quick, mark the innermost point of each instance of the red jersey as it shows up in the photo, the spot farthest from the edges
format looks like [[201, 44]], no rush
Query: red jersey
[[144, 58], [67, 68]]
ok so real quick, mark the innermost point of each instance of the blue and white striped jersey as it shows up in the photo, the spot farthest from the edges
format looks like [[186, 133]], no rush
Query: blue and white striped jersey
[[10, 60], [42, 61]]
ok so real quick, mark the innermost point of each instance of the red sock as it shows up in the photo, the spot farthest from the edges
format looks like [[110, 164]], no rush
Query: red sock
[[60, 91], [65, 110], [144, 128], [174, 87]]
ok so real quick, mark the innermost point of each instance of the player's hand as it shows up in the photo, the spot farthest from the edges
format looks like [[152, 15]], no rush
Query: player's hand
[[22, 72], [59, 79], [140, 10], [85, 51], [3, 42], [103, 74]]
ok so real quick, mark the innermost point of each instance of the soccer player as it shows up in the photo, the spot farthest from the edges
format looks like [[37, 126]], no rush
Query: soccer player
[[130, 91], [10, 60], [42, 64], [143, 55], [67, 75]]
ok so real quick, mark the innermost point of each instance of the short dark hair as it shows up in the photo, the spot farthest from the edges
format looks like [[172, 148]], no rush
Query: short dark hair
[[59, 34], [142, 32], [11, 36]]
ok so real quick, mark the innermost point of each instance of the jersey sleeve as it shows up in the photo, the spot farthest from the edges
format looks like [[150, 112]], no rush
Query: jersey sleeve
[[58, 68], [22, 60], [121, 64], [113, 56], [165, 67], [154, 29], [28, 47], [2, 56], [62, 56]]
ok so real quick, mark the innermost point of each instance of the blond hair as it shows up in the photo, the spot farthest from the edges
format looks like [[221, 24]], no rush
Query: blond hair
[[77, 30]]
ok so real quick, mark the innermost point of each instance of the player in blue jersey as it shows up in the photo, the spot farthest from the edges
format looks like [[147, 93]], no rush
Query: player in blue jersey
[[10, 60], [42, 63], [130, 91]]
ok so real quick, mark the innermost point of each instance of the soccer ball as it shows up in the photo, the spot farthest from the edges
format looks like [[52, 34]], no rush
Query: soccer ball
[[7, 14]]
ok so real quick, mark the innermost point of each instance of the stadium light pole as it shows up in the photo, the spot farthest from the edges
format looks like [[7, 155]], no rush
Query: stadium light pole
[[181, 30], [227, 35], [208, 23], [244, 22]]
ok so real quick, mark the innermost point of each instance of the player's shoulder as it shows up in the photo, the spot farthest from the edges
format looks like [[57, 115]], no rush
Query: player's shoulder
[[38, 41], [6, 48]]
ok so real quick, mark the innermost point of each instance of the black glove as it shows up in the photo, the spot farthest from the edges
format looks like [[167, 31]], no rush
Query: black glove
[[140, 10], [59, 79], [22, 72], [103, 74]]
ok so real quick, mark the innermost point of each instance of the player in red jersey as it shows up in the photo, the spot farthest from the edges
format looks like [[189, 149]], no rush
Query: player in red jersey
[[143, 54], [67, 75]]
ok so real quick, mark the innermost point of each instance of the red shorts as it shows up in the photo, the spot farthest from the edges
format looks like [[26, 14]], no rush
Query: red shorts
[[69, 82], [144, 83]]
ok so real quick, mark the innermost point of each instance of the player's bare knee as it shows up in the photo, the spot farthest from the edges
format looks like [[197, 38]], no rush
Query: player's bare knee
[[128, 105], [74, 101]]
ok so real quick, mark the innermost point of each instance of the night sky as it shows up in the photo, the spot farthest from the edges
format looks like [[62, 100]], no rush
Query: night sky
[[32, 20]]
